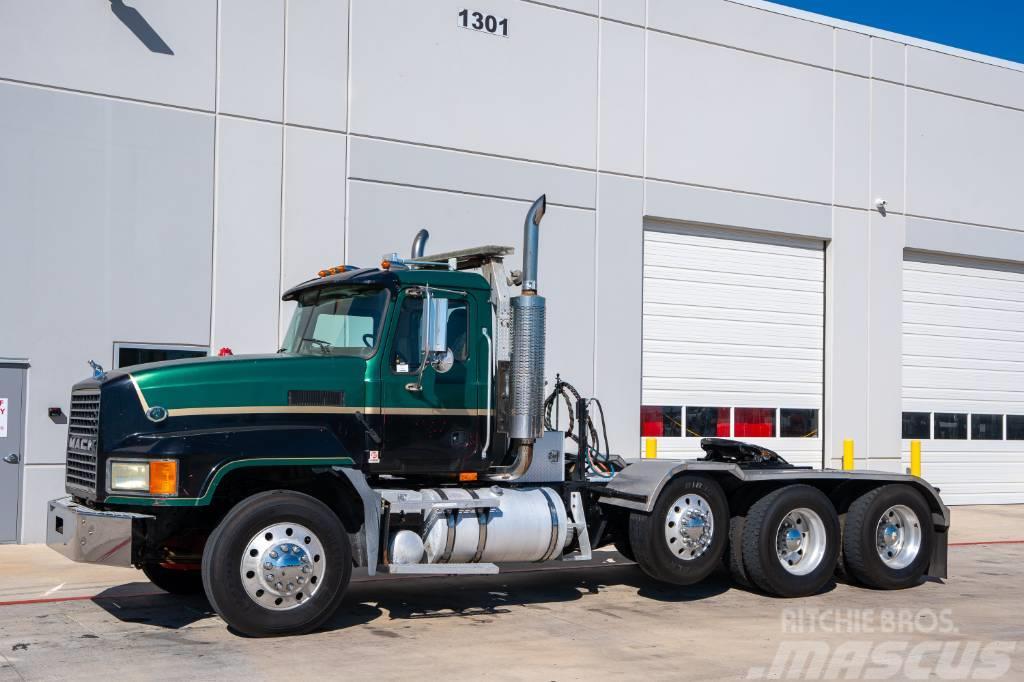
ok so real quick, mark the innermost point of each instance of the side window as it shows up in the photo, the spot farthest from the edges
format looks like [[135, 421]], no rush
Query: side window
[[408, 348]]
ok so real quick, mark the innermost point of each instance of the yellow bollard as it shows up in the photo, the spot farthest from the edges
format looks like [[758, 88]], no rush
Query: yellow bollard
[[651, 448], [915, 458], [848, 455]]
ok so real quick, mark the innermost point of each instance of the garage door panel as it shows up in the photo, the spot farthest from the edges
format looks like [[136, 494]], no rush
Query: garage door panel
[[958, 298], [965, 380], [919, 345], [963, 352], [695, 260], [694, 327], [676, 367], [966, 316], [965, 333], [714, 348], [670, 311], [734, 320], [754, 286]]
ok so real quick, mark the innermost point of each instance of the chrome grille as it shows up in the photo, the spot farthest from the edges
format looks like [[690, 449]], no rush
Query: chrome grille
[[83, 437]]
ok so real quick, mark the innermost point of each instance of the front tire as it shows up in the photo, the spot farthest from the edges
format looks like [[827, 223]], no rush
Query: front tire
[[278, 564], [887, 542], [791, 541], [683, 538]]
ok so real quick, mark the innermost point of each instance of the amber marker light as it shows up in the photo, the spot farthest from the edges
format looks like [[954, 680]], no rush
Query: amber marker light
[[385, 265], [467, 476], [163, 477]]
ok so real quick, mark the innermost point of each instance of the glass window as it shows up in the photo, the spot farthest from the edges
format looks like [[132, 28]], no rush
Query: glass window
[[754, 422], [126, 354], [987, 426], [707, 421], [340, 321], [798, 423], [1015, 427], [950, 426], [917, 424], [658, 421], [408, 341]]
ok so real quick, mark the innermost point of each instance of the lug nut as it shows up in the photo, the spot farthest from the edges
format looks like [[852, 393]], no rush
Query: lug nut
[[300, 580], [270, 576], [273, 555], [279, 586], [267, 565]]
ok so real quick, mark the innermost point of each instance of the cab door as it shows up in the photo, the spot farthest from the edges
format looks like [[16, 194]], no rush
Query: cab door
[[432, 423]]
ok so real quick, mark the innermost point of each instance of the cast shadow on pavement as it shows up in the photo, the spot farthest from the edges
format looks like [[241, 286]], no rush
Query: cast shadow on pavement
[[370, 599]]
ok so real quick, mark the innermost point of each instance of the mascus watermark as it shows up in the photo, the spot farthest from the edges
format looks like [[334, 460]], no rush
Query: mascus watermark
[[895, 650]]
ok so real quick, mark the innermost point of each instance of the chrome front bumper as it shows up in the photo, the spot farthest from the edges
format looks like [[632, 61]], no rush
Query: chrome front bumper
[[91, 536]]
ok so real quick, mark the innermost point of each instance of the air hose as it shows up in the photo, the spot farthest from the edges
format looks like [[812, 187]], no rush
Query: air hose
[[597, 463]]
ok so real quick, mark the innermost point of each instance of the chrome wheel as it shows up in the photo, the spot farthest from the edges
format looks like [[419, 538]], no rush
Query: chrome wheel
[[283, 566], [689, 527], [898, 536], [801, 541]]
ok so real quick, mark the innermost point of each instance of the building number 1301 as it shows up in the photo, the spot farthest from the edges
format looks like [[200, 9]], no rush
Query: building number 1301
[[488, 23]]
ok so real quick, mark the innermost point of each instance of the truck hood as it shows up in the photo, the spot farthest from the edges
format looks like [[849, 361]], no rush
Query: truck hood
[[261, 382]]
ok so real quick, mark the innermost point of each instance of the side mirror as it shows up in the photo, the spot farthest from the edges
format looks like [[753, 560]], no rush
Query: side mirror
[[434, 332], [434, 325]]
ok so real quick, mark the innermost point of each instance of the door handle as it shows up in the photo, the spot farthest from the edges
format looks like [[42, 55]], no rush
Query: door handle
[[12, 458]]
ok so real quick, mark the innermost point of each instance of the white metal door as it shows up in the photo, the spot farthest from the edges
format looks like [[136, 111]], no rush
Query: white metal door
[[963, 375], [733, 340], [12, 455]]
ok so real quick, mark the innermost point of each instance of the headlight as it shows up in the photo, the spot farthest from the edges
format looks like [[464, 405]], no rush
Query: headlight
[[157, 477]]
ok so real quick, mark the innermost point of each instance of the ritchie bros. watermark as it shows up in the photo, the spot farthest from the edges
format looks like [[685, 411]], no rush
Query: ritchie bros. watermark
[[881, 644]]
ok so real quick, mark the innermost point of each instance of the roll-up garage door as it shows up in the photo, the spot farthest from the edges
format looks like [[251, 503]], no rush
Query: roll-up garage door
[[733, 336], [963, 375]]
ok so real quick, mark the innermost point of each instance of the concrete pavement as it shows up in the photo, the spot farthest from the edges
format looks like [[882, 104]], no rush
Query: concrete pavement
[[599, 621]]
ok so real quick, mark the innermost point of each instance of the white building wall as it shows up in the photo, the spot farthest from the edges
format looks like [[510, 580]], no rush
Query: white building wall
[[196, 175]]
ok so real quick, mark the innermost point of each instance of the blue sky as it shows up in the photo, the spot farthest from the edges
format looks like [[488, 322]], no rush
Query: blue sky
[[992, 27]]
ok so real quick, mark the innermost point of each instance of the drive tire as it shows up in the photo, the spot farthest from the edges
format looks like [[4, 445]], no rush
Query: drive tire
[[228, 546], [767, 522], [863, 546], [649, 534], [172, 580], [734, 555]]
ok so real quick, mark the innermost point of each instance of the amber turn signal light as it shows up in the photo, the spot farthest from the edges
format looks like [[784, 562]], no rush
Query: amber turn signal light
[[163, 477]]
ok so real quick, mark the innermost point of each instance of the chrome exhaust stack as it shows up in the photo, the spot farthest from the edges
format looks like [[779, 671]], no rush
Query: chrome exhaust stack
[[526, 374], [419, 245]]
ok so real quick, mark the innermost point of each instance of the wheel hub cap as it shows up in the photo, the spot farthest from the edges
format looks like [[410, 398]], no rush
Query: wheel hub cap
[[689, 527], [800, 541], [282, 566], [898, 536]]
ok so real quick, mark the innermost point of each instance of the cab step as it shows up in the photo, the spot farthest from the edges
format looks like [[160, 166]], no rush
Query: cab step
[[439, 569]]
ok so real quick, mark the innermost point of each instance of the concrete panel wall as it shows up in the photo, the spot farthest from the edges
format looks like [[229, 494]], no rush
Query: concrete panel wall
[[247, 265], [379, 117], [314, 208], [964, 160], [531, 95], [317, 63], [734, 120], [147, 50], [251, 80]]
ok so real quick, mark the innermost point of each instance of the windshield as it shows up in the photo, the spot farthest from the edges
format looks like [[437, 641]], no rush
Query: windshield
[[340, 321]]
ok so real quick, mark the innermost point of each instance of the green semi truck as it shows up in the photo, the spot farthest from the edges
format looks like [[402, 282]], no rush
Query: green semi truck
[[400, 429]]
